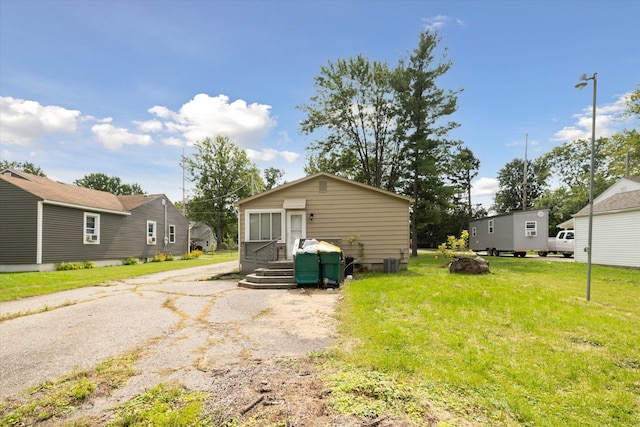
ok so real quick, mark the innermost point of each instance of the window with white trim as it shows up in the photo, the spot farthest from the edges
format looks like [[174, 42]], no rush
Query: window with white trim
[[531, 228], [172, 233], [91, 228], [491, 226], [151, 232], [264, 225], [473, 232]]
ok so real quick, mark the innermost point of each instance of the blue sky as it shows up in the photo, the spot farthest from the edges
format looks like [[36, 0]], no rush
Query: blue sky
[[123, 87]]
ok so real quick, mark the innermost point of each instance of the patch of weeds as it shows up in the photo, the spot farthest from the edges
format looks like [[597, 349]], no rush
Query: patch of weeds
[[57, 399], [9, 316], [163, 405], [170, 304], [234, 275], [130, 261], [265, 312], [372, 394]]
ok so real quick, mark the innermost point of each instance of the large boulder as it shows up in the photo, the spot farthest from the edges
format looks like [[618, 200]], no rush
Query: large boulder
[[475, 265]]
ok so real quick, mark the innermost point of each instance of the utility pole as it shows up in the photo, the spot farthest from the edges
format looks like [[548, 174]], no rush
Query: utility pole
[[524, 182], [183, 190]]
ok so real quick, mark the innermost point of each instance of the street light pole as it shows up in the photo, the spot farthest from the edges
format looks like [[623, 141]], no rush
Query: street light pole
[[581, 85]]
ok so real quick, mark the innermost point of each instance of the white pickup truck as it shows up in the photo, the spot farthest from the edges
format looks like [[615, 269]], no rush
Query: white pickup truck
[[562, 243]]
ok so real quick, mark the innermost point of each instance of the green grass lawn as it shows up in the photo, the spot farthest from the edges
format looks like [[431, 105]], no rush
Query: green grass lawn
[[518, 346], [20, 285]]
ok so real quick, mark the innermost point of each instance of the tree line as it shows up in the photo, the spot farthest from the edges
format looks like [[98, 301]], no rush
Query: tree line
[[560, 179], [389, 127]]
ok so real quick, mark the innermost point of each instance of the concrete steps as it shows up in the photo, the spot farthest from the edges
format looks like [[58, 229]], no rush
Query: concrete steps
[[279, 275]]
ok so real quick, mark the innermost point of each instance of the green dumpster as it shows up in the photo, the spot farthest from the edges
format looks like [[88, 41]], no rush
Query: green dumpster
[[330, 263], [306, 268]]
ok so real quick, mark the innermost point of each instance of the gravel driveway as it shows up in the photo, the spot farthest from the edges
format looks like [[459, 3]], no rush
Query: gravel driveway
[[187, 326]]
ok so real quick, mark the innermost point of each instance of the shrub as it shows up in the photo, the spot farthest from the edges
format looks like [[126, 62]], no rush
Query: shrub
[[159, 257], [130, 261], [448, 249], [192, 255], [64, 266]]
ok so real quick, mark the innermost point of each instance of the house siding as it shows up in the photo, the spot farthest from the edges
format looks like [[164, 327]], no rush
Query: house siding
[[615, 239], [18, 225], [380, 221], [63, 236], [133, 233]]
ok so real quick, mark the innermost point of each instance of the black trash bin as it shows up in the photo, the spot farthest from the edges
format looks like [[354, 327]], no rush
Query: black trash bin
[[348, 265]]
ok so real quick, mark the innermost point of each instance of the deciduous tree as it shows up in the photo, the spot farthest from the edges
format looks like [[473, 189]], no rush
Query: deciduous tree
[[222, 174], [352, 113], [111, 184], [27, 167]]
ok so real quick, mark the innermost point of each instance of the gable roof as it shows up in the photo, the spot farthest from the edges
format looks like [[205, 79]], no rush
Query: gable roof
[[133, 201], [622, 201], [57, 193], [325, 175]]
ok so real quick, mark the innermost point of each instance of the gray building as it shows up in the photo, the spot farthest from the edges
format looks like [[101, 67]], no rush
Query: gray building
[[45, 222], [516, 232]]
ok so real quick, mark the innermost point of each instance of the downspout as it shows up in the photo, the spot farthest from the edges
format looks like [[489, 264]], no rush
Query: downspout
[[39, 220]]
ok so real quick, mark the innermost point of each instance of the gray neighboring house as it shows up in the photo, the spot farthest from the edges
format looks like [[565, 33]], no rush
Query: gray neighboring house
[[45, 222], [516, 232], [202, 236], [616, 226]]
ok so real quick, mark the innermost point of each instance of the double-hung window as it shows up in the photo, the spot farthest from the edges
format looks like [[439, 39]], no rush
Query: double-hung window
[[264, 225], [491, 226], [172, 233], [91, 228], [151, 232]]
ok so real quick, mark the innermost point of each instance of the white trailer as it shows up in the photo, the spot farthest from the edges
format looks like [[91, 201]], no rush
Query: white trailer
[[515, 232]]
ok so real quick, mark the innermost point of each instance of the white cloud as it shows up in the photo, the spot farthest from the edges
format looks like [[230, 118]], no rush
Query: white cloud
[[206, 116], [289, 156], [114, 138], [23, 121], [608, 122], [270, 154], [149, 126], [484, 186], [439, 21]]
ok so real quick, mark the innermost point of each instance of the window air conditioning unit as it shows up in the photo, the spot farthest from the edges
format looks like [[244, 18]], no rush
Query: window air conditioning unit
[[151, 240], [92, 237], [531, 233]]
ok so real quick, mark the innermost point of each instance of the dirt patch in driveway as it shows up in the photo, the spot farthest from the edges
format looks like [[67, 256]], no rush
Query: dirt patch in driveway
[[247, 349]]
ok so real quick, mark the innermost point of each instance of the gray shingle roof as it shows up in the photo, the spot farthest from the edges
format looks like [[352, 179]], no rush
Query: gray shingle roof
[[618, 202], [53, 191]]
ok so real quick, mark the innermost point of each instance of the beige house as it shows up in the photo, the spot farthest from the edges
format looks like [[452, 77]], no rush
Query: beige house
[[368, 223]]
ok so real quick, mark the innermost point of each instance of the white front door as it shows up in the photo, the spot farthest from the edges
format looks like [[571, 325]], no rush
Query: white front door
[[296, 229]]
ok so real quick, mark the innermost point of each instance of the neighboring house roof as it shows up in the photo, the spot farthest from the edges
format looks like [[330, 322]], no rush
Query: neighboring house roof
[[326, 175], [54, 192], [200, 230], [618, 202], [133, 201]]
